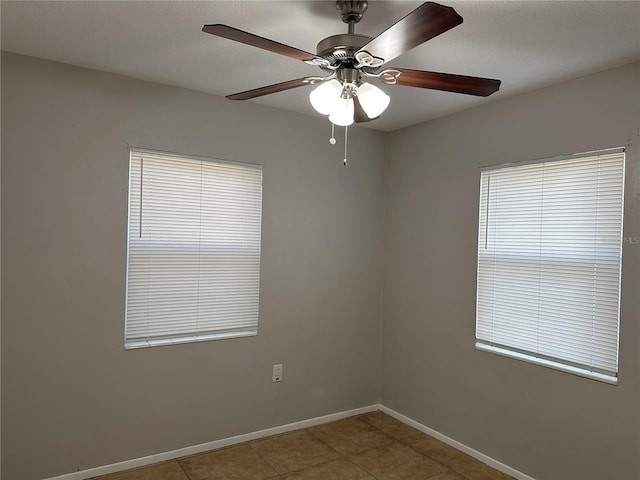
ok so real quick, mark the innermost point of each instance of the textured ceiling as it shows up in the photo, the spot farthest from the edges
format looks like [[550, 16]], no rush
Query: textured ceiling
[[526, 44]]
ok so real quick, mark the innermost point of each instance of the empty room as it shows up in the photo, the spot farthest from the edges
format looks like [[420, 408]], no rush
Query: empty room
[[320, 240]]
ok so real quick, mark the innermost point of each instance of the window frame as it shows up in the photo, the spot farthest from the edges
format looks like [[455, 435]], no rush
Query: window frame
[[189, 336], [512, 351]]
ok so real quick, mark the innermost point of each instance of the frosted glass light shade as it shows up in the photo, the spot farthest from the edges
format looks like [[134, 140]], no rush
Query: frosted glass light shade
[[342, 114], [325, 96], [373, 100]]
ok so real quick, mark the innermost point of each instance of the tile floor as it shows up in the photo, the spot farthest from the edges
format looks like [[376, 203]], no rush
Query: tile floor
[[373, 446]]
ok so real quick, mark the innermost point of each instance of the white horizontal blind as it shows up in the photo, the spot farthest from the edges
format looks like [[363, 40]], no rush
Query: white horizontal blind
[[193, 267], [549, 260]]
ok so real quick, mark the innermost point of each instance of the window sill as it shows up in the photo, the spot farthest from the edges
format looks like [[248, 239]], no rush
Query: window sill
[[133, 345], [582, 372]]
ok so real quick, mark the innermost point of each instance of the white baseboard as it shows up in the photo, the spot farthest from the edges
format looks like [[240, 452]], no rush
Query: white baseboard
[[203, 447], [455, 444], [225, 442]]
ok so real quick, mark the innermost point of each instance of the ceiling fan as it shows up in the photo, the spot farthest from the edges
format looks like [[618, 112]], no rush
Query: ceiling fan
[[348, 59]]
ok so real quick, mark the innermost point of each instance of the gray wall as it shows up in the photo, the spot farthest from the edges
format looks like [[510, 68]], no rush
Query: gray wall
[[551, 425], [72, 397]]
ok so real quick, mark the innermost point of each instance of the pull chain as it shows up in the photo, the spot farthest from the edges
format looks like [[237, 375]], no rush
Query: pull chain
[[345, 146], [332, 140]]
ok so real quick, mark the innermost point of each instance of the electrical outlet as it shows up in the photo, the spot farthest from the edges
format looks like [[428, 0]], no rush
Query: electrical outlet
[[277, 373]]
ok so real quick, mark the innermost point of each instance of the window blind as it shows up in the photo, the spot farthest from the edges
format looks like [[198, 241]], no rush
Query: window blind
[[549, 262], [193, 268]]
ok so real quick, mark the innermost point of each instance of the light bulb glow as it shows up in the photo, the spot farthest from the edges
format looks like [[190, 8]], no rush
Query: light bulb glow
[[342, 114], [325, 96], [373, 100]]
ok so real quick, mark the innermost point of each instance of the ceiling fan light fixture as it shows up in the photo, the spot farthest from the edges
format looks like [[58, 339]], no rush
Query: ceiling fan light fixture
[[349, 57], [342, 113], [373, 100], [324, 97]]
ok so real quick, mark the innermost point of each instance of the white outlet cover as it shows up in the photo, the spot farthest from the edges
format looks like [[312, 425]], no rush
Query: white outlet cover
[[277, 373]]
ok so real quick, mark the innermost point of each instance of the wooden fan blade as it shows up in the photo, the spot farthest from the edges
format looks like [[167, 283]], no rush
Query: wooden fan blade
[[256, 41], [482, 87], [359, 115], [275, 88], [425, 22]]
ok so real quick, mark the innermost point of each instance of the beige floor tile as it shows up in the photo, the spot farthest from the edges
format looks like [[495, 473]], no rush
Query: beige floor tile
[[462, 463], [485, 473], [455, 459], [423, 443], [351, 436], [341, 469], [293, 451], [397, 462], [233, 463], [161, 471], [389, 425]]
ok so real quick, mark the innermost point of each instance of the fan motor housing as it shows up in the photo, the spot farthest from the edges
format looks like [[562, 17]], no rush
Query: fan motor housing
[[342, 47], [352, 11]]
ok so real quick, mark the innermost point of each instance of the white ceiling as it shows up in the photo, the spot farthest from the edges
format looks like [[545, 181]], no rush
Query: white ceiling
[[526, 44]]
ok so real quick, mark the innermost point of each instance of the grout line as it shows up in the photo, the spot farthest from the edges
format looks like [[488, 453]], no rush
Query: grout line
[[182, 468], [402, 442], [264, 459]]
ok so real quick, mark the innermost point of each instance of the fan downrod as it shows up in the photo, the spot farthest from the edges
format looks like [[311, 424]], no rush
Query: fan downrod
[[340, 48], [351, 12]]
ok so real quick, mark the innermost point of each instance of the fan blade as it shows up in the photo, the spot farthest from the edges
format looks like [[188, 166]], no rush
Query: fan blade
[[482, 87], [359, 115], [256, 41], [425, 22], [275, 88]]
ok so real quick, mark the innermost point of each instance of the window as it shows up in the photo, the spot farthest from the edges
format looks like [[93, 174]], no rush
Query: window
[[549, 260], [193, 268]]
